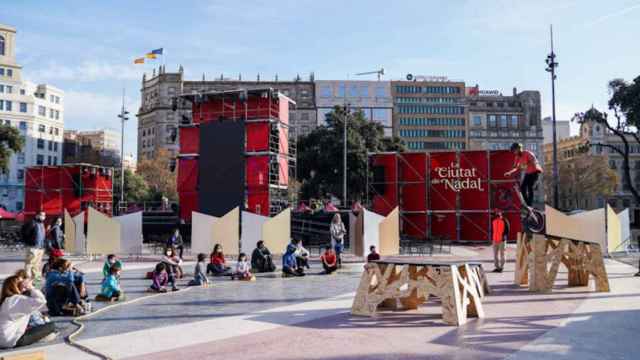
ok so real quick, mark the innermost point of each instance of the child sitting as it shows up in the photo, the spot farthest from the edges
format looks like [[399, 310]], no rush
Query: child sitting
[[243, 269], [199, 275], [218, 265], [111, 261], [329, 260], [160, 279], [289, 264], [111, 286]]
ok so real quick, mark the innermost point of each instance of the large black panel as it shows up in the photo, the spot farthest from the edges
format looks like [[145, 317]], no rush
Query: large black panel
[[221, 167]]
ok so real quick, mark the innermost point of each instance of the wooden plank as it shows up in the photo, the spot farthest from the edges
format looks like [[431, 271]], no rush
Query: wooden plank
[[38, 355], [390, 234], [69, 233], [103, 234], [276, 232]]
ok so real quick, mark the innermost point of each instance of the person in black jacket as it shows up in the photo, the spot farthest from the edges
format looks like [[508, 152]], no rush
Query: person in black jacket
[[56, 236], [34, 236], [261, 260]]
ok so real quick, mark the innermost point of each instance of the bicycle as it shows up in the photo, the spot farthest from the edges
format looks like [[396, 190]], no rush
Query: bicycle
[[532, 219]]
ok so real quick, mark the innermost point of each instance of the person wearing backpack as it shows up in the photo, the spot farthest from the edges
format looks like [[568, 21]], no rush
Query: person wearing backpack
[[34, 236]]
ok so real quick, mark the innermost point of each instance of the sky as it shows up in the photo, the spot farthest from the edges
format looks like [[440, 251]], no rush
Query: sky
[[87, 48]]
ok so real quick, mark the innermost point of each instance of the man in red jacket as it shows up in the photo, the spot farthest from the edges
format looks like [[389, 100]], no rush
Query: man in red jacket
[[500, 233], [527, 162]]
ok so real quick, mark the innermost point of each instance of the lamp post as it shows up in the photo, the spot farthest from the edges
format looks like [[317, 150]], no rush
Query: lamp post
[[123, 117], [344, 160], [551, 68]]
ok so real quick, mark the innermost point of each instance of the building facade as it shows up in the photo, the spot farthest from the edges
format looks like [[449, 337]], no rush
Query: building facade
[[373, 98], [158, 123], [98, 147], [429, 114], [37, 111], [563, 129]]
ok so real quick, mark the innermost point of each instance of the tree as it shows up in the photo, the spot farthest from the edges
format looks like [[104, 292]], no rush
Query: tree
[[625, 104], [10, 142], [136, 189], [582, 178], [320, 154], [158, 175]]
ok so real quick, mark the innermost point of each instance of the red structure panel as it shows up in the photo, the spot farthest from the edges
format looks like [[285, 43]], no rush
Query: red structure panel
[[189, 140], [501, 162], [442, 192], [474, 226], [188, 204], [443, 225], [385, 183], [187, 174], [504, 196], [258, 136], [257, 170], [258, 202], [414, 225]]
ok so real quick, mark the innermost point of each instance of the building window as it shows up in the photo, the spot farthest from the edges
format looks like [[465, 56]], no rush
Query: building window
[[42, 111], [341, 90], [10, 72], [503, 121], [23, 107], [57, 115], [52, 98], [56, 131], [41, 128], [19, 205], [23, 125], [21, 158], [477, 120], [353, 90], [55, 146], [50, 145], [325, 91], [492, 121], [39, 159], [1, 104], [49, 160], [380, 91], [51, 114], [23, 92], [364, 91], [2, 46], [40, 144], [20, 175], [514, 121]]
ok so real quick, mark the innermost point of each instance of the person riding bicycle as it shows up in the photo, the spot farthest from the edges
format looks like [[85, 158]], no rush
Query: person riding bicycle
[[525, 161]]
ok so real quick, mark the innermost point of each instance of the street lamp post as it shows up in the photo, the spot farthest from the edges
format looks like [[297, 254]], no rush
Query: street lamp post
[[123, 117], [344, 160], [551, 68]]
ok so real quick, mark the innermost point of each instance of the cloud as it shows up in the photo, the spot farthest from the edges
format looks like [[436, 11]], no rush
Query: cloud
[[87, 71]]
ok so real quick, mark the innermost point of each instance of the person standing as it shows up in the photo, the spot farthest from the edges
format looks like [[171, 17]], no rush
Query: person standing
[[175, 241], [525, 161], [337, 231], [34, 237], [56, 237], [500, 233]]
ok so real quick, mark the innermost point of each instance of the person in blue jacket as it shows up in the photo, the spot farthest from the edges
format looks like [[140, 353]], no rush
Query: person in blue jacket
[[289, 263]]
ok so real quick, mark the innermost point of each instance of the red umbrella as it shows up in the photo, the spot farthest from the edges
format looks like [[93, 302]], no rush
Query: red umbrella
[[4, 214]]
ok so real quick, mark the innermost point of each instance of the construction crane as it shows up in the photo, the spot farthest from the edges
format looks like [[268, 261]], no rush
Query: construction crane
[[379, 72]]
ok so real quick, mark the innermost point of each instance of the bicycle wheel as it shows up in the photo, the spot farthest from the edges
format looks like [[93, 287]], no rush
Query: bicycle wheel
[[535, 222]]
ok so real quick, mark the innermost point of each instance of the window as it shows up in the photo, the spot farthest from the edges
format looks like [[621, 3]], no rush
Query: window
[[514, 121], [9, 89], [1, 88], [56, 131], [23, 125], [477, 120], [353, 90], [57, 99], [1, 104], [39, 159], [7, 122], [19, 205], [40, 144], [364, 91], [7, 105], [10, 72], [51, 114], [1, 72], [612, 165], [55, 146], [41, 128], [341, 90], [380, 91], [503, 121], [50, 145], [21, 158], [2, 46], [23, 107], [325, 91], [42, 111], [52, 98], [23, 91], [492, 121], [49, 160], [20, 175]]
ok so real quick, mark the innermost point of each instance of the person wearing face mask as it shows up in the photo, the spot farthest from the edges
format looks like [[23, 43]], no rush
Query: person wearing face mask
[[172, 263], [56, 238], [34, 237]]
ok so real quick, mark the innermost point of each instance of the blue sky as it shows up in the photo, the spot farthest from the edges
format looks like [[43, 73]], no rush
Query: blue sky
[[87, 47]]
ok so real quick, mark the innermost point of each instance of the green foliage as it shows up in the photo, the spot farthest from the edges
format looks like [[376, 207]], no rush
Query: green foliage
[[625, 100], [320, 154], [10, 142], [135, 187]]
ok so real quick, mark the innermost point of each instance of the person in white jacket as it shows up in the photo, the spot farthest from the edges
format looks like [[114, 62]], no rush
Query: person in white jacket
[[19, 299]]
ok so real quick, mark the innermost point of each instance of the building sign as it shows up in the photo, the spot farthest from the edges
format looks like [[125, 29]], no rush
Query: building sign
[[411, 77], [489, 93], [456, 178]]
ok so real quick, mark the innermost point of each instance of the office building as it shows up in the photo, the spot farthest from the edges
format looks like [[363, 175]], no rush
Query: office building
[[563, 129]]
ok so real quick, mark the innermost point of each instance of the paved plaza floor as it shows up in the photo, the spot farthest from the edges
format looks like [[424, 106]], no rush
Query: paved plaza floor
[[309, 318]]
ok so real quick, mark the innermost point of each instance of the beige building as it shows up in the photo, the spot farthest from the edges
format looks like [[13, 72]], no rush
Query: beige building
[[37, 111], [429, 113], [563, 129]]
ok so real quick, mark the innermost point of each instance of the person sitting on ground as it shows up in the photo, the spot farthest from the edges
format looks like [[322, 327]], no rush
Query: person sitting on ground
[[337, 232], [18, 300], [49, 265], [329, 260], [373, 254], [243, 269], [218, 265], [112, 260], [175, 241], [76, 276], [302, 254], [111, 290], [63, 297], [37, 318], [261, 260], [199, 274], [160, 278], [289, 264], [172, 265]]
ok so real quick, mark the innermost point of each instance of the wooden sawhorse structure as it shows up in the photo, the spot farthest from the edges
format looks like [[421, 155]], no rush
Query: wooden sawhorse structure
[[407, 283], [538, 258]]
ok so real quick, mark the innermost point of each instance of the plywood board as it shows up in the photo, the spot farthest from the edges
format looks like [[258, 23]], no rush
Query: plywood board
[[276, 232], [202, 233], [81, 239], [625, 226], [130, 233], [390, 234], [371, 231], [588, 226], [226, 232], [251, 231], [103, 234], [69, 233], [614, 236]]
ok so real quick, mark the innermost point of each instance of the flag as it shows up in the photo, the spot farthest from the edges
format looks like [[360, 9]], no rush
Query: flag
[[150, 56], [138, 61], [157, 51]]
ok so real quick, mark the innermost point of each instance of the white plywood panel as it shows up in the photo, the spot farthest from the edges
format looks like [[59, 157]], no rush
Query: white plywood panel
[[69, 233], [81, 240], [625, 226], [390, 234], [103, 234], [614, 236], [202, 233], [587, 226], [130, 233], [226, 232], [276, 232], [251, 231], [371, 231]]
